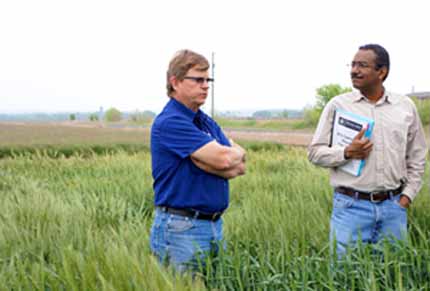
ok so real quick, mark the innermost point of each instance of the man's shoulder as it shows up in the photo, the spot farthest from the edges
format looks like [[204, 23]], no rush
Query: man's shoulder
[[170, 113], [159, 119], [343, 99], [169, 117], [348, 96], [398, 98]]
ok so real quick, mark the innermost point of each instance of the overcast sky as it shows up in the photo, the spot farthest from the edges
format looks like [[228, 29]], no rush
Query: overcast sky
[[80, 55]]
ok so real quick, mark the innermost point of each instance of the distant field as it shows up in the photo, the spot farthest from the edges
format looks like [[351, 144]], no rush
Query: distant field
[[67, 133], [81, 134], [262, 124], [61, 134], [67, 139]]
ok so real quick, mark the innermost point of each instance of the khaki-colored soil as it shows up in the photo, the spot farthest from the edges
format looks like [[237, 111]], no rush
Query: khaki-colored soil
[[29, 133]]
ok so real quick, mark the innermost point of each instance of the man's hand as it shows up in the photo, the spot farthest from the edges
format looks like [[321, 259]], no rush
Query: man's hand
[[404, 201], [359, 148], [241, 149]]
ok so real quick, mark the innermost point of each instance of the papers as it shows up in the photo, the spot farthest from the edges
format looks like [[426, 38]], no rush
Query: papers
[[346, 125]]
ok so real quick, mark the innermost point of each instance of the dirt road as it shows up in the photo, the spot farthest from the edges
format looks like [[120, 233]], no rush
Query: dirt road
[[284, 137]]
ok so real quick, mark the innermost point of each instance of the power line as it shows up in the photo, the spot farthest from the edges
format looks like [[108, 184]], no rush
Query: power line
[[213, 86]]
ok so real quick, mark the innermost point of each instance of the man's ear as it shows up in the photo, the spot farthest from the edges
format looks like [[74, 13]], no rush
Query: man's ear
[[173, 81], [382, 73]]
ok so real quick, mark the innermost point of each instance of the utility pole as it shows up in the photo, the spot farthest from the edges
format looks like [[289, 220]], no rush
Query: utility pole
[[213, 87]]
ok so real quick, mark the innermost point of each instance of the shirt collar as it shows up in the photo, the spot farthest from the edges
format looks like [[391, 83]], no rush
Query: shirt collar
[[179, 107], [387, 97], [391, 98]]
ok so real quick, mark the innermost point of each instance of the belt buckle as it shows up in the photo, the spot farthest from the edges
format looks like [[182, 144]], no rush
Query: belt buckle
[[372, 199], [216, 216]]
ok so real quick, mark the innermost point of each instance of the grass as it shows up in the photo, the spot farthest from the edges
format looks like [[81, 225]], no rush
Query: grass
[[82, 223]]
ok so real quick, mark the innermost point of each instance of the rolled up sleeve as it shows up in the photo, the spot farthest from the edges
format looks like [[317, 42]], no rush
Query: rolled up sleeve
[[320, 152]]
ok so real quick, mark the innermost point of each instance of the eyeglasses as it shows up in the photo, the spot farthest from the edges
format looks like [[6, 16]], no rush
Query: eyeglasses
[[361, 65], [199, 80]]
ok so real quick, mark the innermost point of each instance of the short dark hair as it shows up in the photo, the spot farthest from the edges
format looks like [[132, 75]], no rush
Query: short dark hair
[[382, 56]]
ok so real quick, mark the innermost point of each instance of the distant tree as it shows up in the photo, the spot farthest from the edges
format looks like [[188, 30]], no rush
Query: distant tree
[[311, 114], [327, 92], [113, 114], [284, 114], [93, 117], [142, 117], [262, 114], [149, 113], [72, 117]]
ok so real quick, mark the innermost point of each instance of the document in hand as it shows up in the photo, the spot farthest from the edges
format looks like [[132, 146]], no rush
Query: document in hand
[[346, 125]]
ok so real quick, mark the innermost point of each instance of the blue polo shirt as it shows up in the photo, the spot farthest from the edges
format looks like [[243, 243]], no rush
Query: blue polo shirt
[[176, 133]]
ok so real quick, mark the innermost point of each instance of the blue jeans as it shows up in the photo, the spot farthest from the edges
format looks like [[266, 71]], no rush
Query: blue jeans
[[183, 242], [354, 219]]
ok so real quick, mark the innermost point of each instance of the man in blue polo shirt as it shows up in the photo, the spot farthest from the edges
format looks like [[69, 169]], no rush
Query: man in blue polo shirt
[[192, 161]]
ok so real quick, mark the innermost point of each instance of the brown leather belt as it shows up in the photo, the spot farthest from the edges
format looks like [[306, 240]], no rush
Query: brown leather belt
[[370, 196], [191, 213]]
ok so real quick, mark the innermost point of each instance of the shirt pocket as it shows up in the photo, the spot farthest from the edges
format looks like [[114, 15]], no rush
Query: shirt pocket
[[396, 136], [342, 201], [178, 223]]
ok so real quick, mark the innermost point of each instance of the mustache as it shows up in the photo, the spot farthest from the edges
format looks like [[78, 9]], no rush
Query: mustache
[[355, 75]]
